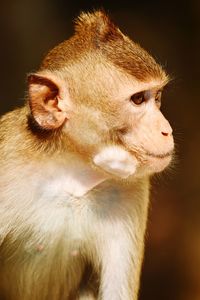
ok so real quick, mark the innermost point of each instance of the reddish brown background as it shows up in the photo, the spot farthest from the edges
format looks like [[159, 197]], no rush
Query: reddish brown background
[[171, 31]]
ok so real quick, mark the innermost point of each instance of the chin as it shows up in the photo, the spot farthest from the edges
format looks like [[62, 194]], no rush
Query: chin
[[156, 165], [153, 165]]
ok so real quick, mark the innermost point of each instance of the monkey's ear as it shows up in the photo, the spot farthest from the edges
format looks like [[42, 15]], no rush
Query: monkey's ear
[[44, 100]]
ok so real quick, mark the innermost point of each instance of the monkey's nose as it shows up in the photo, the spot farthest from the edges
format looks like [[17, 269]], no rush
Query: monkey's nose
[[166, 129], [165, 133]]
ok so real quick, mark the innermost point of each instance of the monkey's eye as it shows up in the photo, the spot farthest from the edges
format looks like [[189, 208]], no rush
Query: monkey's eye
[[138, 98], [158, 97]]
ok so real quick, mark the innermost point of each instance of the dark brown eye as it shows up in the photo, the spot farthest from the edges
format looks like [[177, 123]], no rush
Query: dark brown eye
[[138, 98]]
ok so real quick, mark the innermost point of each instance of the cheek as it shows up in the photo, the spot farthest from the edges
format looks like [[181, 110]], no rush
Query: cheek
[[86, 131], [83, 135]]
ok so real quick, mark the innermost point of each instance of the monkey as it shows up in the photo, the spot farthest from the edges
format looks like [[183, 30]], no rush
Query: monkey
[[75, 166]]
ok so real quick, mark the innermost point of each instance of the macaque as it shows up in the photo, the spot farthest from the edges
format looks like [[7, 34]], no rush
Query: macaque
[[75, 163]]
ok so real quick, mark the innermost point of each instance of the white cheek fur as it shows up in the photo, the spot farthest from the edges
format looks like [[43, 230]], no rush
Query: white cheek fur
[[116, 161]]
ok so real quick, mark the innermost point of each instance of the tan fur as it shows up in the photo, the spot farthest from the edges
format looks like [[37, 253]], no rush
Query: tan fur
[[75, 166]]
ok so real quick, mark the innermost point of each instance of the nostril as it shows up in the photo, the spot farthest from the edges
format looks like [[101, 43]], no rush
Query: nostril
[[164, 133]]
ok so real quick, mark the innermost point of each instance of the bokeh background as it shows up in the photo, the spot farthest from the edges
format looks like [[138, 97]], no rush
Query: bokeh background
[[170, 30]]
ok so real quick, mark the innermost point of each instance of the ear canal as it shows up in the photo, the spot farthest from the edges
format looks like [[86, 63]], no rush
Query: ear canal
[[43, 101]]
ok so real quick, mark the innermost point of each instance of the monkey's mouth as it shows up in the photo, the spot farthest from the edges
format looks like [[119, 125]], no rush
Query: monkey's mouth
[[156, 162], [160, 156]]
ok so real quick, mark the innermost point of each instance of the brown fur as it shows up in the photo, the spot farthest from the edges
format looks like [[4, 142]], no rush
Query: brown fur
[[80, 129], [96, 33]]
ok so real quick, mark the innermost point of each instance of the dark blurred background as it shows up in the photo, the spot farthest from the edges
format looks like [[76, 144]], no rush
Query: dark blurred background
[[170, 30]]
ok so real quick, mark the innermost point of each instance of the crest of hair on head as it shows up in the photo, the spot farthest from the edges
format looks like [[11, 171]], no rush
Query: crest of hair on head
[[97, 24]]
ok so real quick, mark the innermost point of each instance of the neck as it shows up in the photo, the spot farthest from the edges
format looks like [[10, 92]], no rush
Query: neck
[[74, 175]]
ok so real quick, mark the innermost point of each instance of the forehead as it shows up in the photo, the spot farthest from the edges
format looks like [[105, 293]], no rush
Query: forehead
[[134, 64], [116, 81], [132, 58]]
